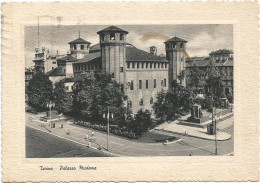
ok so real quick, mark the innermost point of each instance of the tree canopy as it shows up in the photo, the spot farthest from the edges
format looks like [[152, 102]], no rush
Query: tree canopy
[[39, 91]]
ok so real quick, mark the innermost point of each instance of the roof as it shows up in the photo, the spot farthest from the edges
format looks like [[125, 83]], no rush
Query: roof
[[79, 41], [205, 62], [134, 54], [94, 48], [222, 51], [67, 80], [68, 58], [175, 39], [56, 72], [95, 56], [112, 29]]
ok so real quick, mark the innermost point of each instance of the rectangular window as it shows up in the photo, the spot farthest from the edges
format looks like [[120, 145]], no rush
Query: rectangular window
[[140, 84], [85, 66], [128, 65], [74, 47], [162, 65], [81, 67], [164, 82], [53, 62], [142, 65], [121, 69], [137, 65], [159, 65], [147, 84], [88, 67], [165, 65], [154, 83], [112, 36], [146, 65], [82, 47], [151, 65], [155, 65], [122, 88], [133, 65], [132, 85]]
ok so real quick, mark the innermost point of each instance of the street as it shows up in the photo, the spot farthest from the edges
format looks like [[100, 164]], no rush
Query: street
[[42, 143]]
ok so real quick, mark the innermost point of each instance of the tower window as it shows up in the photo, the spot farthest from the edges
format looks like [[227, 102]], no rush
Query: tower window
[[102, 37], [112, 36], [155, 65], [121, 36], [162, 65], [140, 84], [82, 47], [74, 47], [151, 65], [137, 65], [165, 65], [151, 100], [154, 83], [133, 65], [182, 45], [164, 82], [121, 69], [146, 65], [159, 65], [146, 84], [142, 65], [128, 65]]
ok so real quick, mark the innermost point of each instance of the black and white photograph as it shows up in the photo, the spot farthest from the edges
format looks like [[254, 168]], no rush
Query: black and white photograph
[[129, 90]]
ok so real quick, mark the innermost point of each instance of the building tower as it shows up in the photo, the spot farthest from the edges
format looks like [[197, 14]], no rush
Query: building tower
[[175, 54], [113, 53], [153, 50], [79, 47], [39, 60]]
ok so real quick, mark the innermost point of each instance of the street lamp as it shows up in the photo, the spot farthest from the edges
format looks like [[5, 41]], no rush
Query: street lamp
[[107, 116], [50, 105], [214, 123]]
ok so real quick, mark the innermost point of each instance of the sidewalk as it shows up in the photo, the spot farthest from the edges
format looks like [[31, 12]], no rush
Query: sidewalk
[[191, 131]]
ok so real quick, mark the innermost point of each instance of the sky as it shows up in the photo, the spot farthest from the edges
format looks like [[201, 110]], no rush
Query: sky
[[202, 38]]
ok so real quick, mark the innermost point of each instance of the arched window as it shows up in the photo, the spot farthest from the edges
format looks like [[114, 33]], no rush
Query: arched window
[[121, 36], [151, 100], [141, 102], [112, 36], [102, 37]]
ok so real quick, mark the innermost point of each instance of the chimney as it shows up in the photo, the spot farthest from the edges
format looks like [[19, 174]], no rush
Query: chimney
[[153, 50]]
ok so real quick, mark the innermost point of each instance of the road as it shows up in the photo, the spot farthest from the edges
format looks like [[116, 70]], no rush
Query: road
[[43, 145], [118, 145]]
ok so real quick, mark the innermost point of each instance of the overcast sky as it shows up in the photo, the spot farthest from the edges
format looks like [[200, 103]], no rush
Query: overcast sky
[[202, 39]]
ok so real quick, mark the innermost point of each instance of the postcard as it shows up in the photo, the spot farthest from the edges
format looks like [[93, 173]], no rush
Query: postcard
[[130, 91]]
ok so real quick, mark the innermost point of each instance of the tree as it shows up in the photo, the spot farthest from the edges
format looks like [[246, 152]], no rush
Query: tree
[[94, 94], [170, 105], [142, 122], [39, 91], [62, 99], [195, 79]]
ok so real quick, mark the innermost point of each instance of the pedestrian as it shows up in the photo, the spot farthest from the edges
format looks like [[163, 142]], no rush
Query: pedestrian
[[68, 132], [87, 137], [92, 133]]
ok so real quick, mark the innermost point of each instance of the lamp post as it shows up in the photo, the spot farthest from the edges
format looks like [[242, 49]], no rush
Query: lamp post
[[107, 116], [214, 123]]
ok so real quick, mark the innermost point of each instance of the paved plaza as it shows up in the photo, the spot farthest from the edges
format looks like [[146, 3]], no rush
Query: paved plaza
[[119, 146]]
